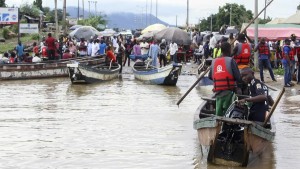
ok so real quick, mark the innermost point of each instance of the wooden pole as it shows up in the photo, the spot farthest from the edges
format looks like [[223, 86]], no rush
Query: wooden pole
[[56, 20], [201, 76], [274, 106]]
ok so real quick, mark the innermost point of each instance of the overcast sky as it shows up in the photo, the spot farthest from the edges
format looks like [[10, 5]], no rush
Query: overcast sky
[[168, 9]]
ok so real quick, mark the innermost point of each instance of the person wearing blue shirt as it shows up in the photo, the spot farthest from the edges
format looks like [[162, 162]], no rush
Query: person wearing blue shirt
[[286, 62], [20, 51], [102, 47]]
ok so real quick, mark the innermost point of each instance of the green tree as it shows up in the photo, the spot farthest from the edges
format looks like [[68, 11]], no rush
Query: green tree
[[298, 7], [38, 3], [2, 3], [30, 10], [93, 21], [264, 21], [239, 15], [50, 16]]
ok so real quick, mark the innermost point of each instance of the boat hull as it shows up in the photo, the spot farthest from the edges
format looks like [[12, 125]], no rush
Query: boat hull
[[40, 70], [91, 74], [250, 139], [167, 75]]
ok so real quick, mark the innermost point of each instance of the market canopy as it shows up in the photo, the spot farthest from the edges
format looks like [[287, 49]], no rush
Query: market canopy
[[154, 27], [86, 32], [174, 34], [276, 21], [273, 31]]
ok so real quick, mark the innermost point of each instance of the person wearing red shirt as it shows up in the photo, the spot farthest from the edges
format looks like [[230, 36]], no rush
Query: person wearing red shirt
[[35, 49], [50, 43], [110, 54]]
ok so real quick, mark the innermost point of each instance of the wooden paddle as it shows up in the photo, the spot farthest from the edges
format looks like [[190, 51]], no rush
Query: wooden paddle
[[198, 80], [274, 106]]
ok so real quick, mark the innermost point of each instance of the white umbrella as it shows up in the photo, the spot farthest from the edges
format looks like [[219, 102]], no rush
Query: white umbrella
[[154, 27]]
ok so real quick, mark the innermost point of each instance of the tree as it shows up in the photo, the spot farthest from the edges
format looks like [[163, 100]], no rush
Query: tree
[[298, 7], [264, 21], [93, 21], [30, 10], [239, 15], [50, 16], [38, 3], [2, 3]]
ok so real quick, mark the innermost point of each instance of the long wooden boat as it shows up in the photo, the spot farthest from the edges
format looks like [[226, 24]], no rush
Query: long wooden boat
[[167, 75], [46, 69], [82, 73], [232, 140]]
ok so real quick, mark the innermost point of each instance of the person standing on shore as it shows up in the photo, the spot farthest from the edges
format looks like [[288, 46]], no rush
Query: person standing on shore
[[20, 51], [50, 43], [286, 63], [163, 52], [264, 59], [173, 48]]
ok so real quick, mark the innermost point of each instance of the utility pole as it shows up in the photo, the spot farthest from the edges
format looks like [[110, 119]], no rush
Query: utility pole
[[187, 14], [265, 12], [150, 12], [64, 16], [78, 11], [56, 20], [89, 8], [176, 20], [230, 14], [156, 12], [256, 34], [211, 22], [146, 13], [95, 7], [83, 9]]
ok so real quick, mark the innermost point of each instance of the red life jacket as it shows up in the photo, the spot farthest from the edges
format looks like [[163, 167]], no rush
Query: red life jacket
[[291, 53], [244, 57], [263, 49], [222, 74]]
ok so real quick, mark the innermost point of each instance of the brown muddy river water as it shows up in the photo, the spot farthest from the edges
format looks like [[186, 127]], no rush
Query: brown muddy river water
[[51, 124]]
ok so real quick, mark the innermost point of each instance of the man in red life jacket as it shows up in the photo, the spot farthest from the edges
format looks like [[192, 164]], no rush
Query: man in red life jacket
[[226, 75], [264, 59], [242, 52]]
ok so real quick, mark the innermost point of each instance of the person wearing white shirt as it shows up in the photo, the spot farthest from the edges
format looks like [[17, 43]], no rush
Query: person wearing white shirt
[[95, 47], [173, 49], [144, 47]]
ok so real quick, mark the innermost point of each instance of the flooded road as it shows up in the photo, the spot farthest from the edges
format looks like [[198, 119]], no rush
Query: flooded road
[[119, 124]]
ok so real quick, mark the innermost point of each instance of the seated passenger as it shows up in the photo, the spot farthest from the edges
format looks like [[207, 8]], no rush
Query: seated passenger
[[4, 59], [110, 54], [259, 96], [67, 54]]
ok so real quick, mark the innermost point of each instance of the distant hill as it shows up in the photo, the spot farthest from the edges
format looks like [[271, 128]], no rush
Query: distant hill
[[121, 20]]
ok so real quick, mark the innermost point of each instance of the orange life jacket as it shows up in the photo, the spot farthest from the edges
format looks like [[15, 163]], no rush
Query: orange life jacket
[[243, 58], [222, 74]]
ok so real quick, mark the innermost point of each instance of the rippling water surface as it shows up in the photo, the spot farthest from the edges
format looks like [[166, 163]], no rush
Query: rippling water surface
[[118, 124]]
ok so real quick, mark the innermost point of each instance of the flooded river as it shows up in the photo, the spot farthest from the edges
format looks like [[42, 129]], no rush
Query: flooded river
[[119, 124]]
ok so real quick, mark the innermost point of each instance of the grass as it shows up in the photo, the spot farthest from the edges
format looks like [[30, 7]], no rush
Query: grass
[[278, 71], [10, 44]]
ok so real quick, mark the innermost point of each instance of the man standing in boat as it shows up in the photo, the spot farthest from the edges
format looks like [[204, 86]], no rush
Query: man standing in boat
[[50, 43], [259, 96], [226, 75], [242, 52]]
